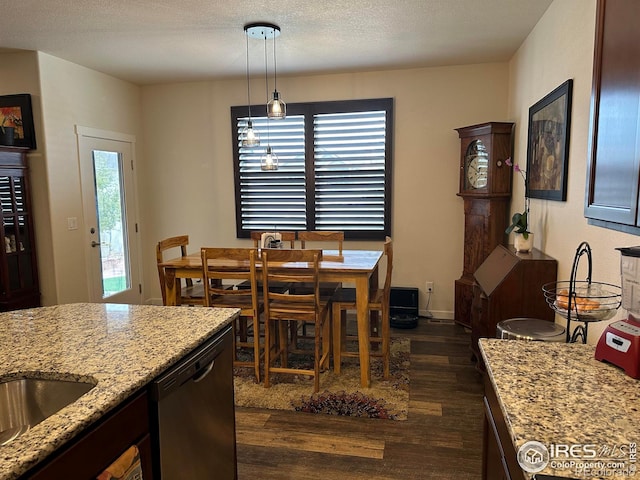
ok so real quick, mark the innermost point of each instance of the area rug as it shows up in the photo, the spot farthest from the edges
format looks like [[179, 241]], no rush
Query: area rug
[[339, 394]]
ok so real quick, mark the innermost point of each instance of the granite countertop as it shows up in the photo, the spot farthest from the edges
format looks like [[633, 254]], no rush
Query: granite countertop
[[557, 393], [120, 348]]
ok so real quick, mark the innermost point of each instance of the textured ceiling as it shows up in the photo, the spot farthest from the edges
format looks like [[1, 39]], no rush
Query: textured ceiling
[[159, 41]]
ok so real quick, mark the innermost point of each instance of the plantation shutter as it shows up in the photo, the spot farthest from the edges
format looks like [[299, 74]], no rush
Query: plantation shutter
[[349, 159], [273, 200], [334, 169]]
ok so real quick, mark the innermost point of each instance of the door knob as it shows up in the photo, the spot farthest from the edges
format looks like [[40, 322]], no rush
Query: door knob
[[94, 244]]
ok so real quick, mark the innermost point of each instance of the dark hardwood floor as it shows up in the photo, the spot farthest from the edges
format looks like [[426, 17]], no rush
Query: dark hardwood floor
[[441, 439]]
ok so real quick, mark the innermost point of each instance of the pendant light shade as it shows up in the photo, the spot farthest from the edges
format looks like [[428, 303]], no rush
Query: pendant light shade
[[250, 136], [276, 108], [269, 160]]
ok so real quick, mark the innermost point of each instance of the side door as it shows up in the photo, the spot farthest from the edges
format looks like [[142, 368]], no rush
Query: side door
[[110, 215]]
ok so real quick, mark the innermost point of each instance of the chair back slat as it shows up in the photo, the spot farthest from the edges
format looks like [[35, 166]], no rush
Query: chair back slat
[[321, 236]]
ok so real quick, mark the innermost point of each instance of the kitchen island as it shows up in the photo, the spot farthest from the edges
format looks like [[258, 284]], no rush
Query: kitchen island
[[119, 348], [585, 412]]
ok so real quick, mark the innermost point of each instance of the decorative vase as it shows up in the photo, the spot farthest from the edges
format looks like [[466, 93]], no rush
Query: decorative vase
[[522, 244]]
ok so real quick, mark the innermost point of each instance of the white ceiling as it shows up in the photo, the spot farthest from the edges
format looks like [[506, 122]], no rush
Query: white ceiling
[[159, 41]]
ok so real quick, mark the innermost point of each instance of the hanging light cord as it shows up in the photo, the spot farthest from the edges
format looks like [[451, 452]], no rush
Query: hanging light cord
[[275, 66], [266, 73], [248, 84], [266, 83]]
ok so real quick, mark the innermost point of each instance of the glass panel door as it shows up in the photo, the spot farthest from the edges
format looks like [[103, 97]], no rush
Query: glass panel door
[[109, 218]]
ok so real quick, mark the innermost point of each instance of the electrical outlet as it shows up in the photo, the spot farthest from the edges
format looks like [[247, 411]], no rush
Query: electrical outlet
[[429, 287]]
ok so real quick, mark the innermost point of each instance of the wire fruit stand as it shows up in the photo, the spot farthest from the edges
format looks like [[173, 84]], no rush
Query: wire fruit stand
[[582, 301]]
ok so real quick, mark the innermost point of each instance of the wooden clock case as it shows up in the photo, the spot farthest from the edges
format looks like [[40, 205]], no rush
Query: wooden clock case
[[486, 209]]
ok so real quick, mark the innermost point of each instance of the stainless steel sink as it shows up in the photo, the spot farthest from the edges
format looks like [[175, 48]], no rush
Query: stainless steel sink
[[26, 402]]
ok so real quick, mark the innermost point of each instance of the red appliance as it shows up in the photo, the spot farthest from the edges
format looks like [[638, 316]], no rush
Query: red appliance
[[620, 341], [620, 345]]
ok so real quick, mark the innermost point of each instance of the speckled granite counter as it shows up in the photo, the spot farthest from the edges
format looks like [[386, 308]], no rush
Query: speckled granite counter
[[121, 348], [557, 393]]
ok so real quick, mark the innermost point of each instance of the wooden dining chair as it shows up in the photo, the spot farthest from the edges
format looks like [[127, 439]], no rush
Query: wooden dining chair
[[321, 236], [283, 308], [285, 237], [378, 300], [228, 266], [190, 294]]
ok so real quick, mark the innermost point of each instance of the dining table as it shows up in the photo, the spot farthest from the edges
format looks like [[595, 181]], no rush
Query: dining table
[[358, 267]]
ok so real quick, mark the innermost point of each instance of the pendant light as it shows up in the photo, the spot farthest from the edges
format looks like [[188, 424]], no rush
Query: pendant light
[[276, 108], [266, 31], [269, 161], [250, 136]]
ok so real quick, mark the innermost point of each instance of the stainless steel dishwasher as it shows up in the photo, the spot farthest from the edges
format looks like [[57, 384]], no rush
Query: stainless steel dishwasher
[[194, 427]]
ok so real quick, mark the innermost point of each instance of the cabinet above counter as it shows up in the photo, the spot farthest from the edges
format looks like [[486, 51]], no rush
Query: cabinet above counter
[[613, 172], [558, 394], [120, 348]]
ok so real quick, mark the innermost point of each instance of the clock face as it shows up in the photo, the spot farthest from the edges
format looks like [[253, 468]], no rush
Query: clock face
[[477, 172], [476, 166]]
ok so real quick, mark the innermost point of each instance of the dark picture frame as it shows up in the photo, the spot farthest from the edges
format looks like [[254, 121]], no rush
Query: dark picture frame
[[548, 145], [16, 121]]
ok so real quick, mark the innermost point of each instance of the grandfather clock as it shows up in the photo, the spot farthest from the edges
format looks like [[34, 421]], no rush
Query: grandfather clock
[[485, 186]]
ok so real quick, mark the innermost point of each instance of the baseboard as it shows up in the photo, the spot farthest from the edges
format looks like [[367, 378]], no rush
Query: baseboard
[[443, 314]]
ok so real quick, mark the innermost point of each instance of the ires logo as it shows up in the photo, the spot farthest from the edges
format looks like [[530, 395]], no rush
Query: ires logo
[[559, 451], [585, 459]]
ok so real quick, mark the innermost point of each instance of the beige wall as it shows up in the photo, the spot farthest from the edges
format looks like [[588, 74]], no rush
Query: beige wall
[[187, 175], [561, 47], [74, 95]]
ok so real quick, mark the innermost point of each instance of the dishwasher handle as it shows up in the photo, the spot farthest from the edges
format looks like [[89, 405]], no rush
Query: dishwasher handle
[[206, 372]]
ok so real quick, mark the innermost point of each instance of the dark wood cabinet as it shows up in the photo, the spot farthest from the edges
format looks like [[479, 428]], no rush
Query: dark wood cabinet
[[485, 186], [18, 264], [93, 451], [613, 175], [509, 285], [499, 458]]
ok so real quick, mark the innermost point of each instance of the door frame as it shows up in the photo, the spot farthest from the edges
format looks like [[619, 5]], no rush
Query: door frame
[[89, 132]]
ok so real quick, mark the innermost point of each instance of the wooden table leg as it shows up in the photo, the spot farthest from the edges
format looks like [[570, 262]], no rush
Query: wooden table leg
[[362, 306], [374, 324]]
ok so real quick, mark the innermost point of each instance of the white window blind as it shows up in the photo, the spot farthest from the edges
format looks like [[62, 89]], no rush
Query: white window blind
[[349, 152], [334, 169], [275, 199]]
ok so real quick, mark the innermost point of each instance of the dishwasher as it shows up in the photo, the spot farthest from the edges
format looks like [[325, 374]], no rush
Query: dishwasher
[[193, 427]]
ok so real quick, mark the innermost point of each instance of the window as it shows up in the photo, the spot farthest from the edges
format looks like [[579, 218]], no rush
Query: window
[[334, 169]]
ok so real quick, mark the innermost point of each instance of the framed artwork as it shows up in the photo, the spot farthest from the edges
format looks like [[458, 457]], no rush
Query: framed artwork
[[16, 121], [548, 145]]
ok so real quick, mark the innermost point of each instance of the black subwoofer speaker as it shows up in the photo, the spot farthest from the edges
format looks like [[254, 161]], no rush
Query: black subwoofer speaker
[[403, 307]]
